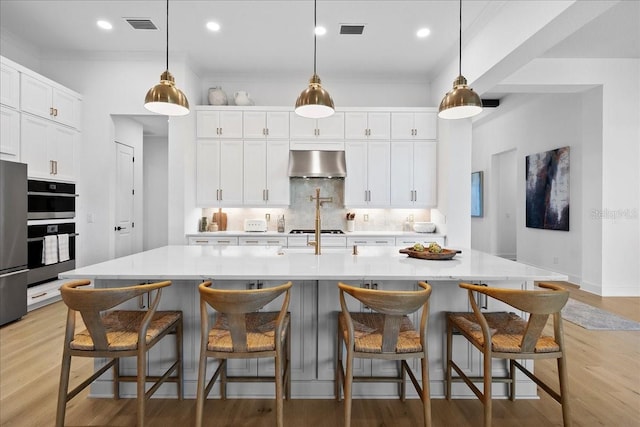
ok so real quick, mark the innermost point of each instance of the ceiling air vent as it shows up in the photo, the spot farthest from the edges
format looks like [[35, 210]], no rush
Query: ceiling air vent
[[141, 23], [351, 29]]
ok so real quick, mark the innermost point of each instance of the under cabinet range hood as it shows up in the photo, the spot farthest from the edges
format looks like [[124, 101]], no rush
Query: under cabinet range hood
[[317, 164]]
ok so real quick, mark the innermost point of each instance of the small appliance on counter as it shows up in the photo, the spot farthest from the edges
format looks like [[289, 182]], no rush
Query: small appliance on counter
[[255, 225]]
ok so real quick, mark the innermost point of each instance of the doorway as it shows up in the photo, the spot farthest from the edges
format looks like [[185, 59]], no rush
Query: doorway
[[124, 200], [504, 202]]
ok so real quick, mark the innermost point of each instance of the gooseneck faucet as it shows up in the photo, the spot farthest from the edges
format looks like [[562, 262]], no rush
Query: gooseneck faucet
[[319, 201]]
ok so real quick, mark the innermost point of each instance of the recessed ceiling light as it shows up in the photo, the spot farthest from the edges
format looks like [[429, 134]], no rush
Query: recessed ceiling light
[[213, 26], [423, 32], [321, 31], [105, 25]]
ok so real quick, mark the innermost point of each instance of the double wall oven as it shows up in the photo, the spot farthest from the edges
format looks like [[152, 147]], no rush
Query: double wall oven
[[51, 230]]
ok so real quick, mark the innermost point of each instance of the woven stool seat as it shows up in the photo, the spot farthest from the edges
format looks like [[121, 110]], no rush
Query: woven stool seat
[[261, 328], [369, 329], [507, 330]]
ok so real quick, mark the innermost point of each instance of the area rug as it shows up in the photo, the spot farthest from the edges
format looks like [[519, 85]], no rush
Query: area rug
[[590, 317]]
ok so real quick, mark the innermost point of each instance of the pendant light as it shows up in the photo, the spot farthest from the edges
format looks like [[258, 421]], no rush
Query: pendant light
[[314, 102], [165, 98], [461, 102]]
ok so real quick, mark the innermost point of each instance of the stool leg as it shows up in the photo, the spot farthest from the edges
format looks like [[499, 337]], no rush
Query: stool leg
[[448, 363], [348, 382], [512, 385], [338, 370], [426, 391], [486, 393], [564, 391], [142, 379], [116, 378], [179, 357], [279, 384], [64, 387]]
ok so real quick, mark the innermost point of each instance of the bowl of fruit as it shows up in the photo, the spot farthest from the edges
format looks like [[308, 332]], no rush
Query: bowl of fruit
[[432, 251]]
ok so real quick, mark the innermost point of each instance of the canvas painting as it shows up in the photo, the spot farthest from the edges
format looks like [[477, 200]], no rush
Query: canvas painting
[[547, 193], [476, 193]]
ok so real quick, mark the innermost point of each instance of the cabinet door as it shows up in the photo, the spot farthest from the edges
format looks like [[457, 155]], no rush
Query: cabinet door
[[255, 172], [35, 151], [331, 127], [254, 124], [302, 127], [355, 184], [402, 163], [277, 173], [425, 125], [355, 125], [231, 124], [9, 134], [207, 124], [65, 108], [402, 125], [379, 125], [9, 86], [62, 144], [277, 124], [425, 174], [378, 173], [207, 172], [36, 96], [231, 173]]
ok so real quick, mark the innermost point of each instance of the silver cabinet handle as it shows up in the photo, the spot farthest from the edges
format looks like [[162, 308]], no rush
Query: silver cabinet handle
[[221, 194], [267, 194], [218, 194], [263, 195]]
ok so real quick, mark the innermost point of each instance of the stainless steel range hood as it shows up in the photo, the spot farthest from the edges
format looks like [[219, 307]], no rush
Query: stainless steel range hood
[[317, 164]]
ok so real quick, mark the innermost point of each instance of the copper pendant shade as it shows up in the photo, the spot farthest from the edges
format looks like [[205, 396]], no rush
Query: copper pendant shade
[[165, 98], [461, 102], [314, 102]]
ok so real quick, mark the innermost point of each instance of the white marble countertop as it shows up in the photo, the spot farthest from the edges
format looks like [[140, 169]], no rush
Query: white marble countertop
[[274, 263]]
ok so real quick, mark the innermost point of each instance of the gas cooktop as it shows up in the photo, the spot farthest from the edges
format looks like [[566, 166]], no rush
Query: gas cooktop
[[311, 231]]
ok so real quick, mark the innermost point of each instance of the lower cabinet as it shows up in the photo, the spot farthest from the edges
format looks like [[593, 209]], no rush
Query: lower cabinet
[[410, 241], [371, 241], [262, 241], [213, 241]]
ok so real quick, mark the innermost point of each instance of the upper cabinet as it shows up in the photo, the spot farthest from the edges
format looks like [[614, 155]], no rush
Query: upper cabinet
[[331, 128], [9, 134], [9, 86], [266, 177], [219, 124], [219, 165], [413, 174], [414, 125], [368, 170], [39, 97], [266, 125], [367, 125]]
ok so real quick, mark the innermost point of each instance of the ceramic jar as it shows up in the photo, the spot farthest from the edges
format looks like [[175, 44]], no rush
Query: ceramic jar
[[217, 96], [242, 98]]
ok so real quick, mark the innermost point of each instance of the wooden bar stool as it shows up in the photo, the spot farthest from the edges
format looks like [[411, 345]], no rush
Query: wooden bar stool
[[114, 334], [243, 332], [511, 337], [387, 333]]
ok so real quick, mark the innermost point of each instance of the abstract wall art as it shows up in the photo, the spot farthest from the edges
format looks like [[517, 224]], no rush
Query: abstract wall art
[[476, 193], [547, 193]]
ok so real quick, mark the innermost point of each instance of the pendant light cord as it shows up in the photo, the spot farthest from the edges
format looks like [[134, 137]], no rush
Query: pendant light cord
[[167, 35], [314, 36], [460, 43]]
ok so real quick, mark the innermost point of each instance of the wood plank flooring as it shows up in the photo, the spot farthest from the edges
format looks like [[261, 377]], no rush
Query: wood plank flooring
[[604, 377]]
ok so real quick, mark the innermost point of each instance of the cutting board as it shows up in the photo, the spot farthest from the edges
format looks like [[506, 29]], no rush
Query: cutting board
[[221, 218]]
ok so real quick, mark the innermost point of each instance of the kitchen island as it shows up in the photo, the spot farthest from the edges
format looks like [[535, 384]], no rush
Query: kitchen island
[[314, 301]]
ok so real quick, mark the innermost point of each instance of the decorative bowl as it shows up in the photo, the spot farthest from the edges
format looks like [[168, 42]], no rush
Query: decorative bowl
[[424, 227]]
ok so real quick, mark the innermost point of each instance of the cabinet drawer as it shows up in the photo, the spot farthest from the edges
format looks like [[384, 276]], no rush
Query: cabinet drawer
[[262, 241], [371, 241], [213, 241], [410, 241], [296, 241]]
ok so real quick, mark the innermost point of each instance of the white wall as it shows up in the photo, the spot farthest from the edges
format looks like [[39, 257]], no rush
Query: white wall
[[531, 124], [155, 182]]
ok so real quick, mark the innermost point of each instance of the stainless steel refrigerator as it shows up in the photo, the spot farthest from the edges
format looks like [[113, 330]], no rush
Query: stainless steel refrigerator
[[13, 241]]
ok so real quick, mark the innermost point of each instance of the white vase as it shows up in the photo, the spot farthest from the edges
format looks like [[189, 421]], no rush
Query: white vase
[[217, 96], [242, 98]]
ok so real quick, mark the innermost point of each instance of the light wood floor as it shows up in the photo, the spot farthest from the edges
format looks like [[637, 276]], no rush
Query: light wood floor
[[604, 374]]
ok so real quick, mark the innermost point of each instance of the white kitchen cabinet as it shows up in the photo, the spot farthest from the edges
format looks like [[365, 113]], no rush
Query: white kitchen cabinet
[[48, 149], [331, 127], [423, 239], [219, 166], [9, 86], [368, 173], [413, 125], [367, 125], [214, 241], [413, 174], [39, 97], [371, 241], [219, 124], [297, 241], [9, 134], [266, 173], [266, 125], [262, 241]]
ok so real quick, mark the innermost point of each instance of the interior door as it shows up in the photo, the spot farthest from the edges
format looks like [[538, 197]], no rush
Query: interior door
[[124, 200]]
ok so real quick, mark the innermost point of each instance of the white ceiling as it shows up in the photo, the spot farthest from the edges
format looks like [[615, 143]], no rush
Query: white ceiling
[[276, 37]]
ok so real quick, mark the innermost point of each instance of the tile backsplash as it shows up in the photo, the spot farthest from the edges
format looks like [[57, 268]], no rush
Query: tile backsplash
[[301, 211]]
